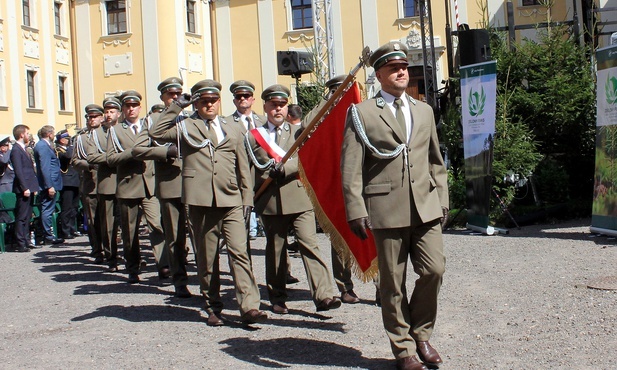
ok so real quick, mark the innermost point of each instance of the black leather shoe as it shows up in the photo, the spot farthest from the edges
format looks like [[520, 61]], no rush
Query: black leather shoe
[[34, 246], [133, 279], [280, 308], [182, 292], [290, 279], [350, 297], [22, 249], [329, 304], [164, 273], [68, 237], [215, 319], [409, 363], [99, 260], [428, 354], [54, 241], [254, 316]]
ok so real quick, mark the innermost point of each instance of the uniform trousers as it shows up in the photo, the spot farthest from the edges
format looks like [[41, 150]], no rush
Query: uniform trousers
[[208, 224], [341, 271], [407, 320], [109, 226], [129, 220], [90, 204], [23, 214], [276, 229], [173, 216], [69, 203]]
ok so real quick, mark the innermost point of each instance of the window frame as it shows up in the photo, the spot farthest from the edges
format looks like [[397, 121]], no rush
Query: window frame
[[58, 18], [416, 8], [118, 12], [191, 16], [26, 13], [303, 6], [530, 2], [62, 96], [31, 87]]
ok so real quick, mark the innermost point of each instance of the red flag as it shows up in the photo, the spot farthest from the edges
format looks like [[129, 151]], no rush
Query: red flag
[[320, 171]]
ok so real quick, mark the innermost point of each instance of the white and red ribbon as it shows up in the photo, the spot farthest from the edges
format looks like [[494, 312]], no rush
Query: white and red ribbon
[[262, 136]]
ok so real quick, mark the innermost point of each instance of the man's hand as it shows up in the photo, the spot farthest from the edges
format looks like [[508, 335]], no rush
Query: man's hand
[[186, 99], [444, 218], [172, 151], [277, 172], [359, 226], [246, 210], [27, 193], [94, 167], [52, 192]]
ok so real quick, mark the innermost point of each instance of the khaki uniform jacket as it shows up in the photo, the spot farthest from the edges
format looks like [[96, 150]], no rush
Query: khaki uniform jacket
[[385, 190], [135, 178], [106, 175], [218, 180], [87, 175], [286, 196], [168, 172]]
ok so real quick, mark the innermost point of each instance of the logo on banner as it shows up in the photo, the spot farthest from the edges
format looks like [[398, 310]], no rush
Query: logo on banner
[[611, 89], [476, 102]]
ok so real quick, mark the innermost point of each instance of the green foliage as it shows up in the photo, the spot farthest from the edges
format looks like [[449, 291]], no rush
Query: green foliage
[[309, 96]]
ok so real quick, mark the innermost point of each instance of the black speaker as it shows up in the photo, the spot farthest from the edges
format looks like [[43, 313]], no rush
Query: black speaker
[[294, 62], [474, 46]]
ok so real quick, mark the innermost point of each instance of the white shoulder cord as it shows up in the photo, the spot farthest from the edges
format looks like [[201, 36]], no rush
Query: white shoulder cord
[[79, 146], [114, 140], [95, 138], [206, 143], [362, 134], [249, 150]]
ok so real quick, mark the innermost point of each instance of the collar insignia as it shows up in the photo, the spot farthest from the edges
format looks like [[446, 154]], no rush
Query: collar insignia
[[381, 102]]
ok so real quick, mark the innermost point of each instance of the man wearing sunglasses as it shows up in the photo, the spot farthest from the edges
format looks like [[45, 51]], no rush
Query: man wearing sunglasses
[[216, 187]]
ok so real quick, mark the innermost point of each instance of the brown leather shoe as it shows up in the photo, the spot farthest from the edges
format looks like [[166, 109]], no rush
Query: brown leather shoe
[[329, 304], [254, 316], [215, 320], [182, 292], [409, 363], [350, 297], [280, 308], [428, 354]]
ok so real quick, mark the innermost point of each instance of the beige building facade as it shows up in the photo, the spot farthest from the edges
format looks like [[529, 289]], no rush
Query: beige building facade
[[65, 54]]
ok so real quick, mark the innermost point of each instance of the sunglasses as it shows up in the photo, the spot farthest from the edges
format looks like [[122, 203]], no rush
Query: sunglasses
[[132, 105], [209, 100], [241, 96], [93, 117]]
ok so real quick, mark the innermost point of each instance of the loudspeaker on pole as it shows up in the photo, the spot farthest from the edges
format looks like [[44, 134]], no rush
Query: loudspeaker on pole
[[294, 63]]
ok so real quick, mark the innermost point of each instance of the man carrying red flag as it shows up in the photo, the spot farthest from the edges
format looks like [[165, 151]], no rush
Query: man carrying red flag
[[395, 183]]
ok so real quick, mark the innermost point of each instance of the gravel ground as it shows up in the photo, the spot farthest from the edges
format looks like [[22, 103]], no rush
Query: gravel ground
[[515, 301]]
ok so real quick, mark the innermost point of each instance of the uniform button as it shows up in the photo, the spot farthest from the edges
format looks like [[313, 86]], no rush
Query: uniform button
[[214, 173], [412, 181]]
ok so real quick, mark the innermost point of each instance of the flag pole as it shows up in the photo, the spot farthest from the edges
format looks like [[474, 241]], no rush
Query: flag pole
[[321, 114]]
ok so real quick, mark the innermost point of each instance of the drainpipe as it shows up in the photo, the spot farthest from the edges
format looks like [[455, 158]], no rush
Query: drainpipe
[[73, 43], [214, 41]]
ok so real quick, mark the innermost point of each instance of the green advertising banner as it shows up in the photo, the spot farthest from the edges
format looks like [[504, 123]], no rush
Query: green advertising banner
[[478, 95], [604, 209]]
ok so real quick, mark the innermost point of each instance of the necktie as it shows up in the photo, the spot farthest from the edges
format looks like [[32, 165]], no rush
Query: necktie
[[277, 135], [134, 127], [212, 132], [400, 117], [249, 123]]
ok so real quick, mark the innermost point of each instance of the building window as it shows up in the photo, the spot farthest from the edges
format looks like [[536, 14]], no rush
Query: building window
[[531, 2], [116, 16], [31, 80], [58, 18], [26, 10], [410, 8], [190, 16], [61, 92], [301, 14], [2, 85]]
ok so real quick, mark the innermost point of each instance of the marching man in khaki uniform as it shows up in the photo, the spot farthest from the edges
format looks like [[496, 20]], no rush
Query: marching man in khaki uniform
[[395, 183], [106, 182], [168, 187], [88, 177], [284, 204], [135, 180], [216, 188]]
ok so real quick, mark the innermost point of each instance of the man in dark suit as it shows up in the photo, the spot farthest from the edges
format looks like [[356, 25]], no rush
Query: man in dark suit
[[395, 183], [285, 204], [25, 186], [135, 181], [216, 188], [69, 195], [50, 181]]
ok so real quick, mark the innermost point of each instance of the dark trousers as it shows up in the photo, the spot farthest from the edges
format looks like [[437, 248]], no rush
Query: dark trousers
[[23, 214], [69, 202]]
